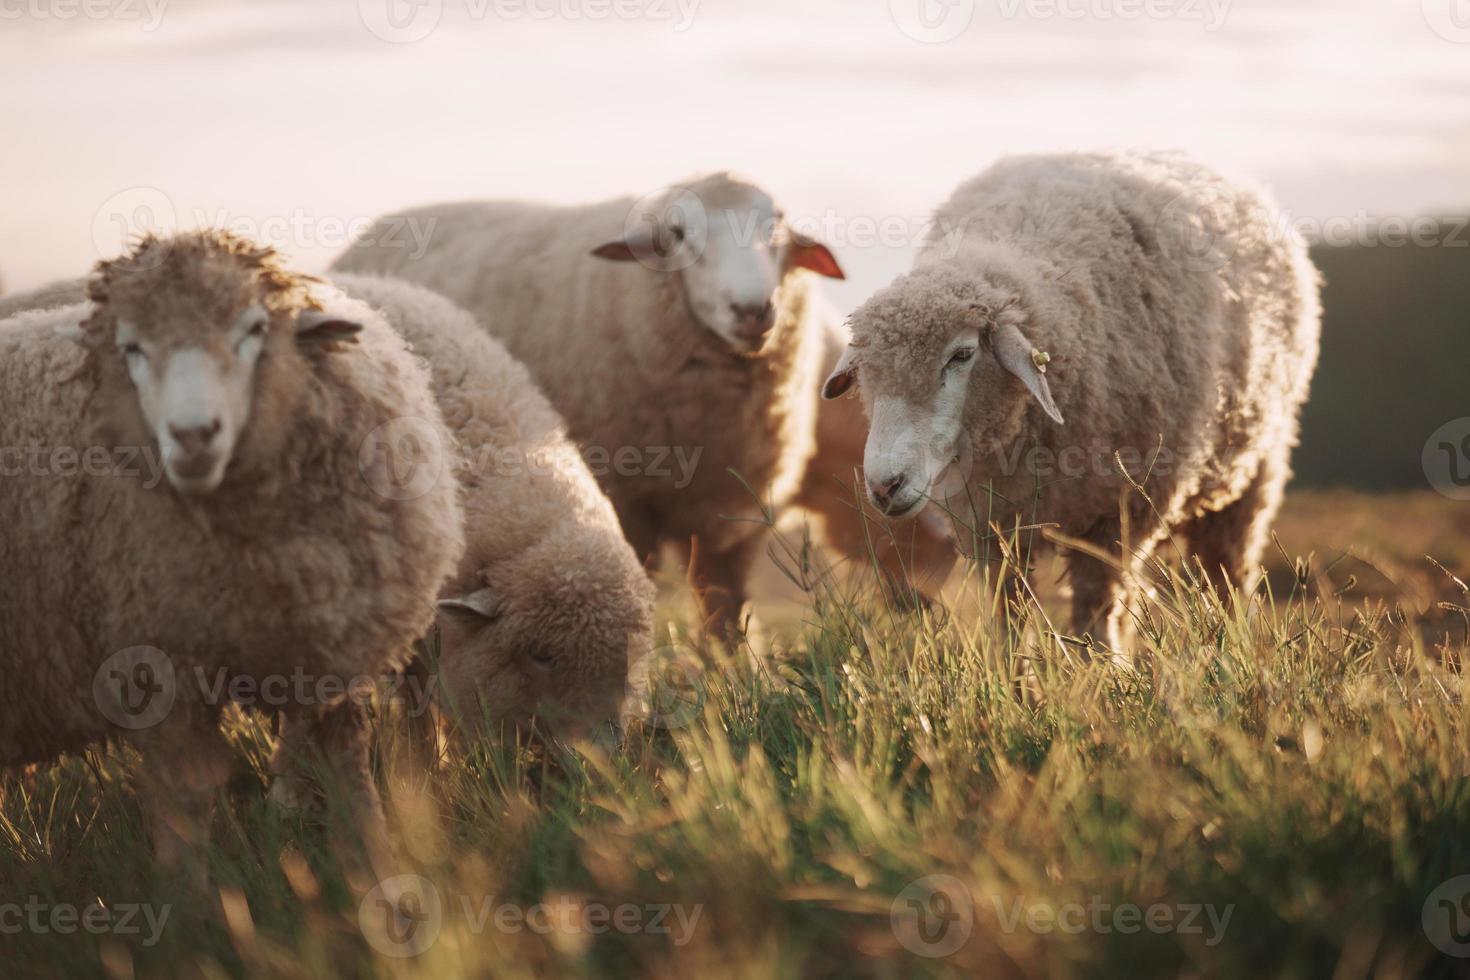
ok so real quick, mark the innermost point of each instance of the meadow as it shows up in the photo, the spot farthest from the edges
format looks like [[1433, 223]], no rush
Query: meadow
[[1274, 787]]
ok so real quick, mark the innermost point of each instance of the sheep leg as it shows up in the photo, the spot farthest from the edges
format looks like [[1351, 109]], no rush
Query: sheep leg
[[186, 764], [339, 737], [1228, 542], [719, 580], [1099, 586]]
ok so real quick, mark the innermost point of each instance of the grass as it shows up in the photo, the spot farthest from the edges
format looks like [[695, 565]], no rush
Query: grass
[[1275, 790]]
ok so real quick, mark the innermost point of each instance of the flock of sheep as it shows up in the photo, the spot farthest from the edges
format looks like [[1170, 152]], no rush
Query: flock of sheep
[[410, 445]]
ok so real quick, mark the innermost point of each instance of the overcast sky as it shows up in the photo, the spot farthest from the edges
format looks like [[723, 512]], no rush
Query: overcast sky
[[297, 120]]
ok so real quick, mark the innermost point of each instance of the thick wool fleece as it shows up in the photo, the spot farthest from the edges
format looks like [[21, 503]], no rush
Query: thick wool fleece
[[294, 564], [645, 389], [63, 292], [575, 609], [1173, 308]]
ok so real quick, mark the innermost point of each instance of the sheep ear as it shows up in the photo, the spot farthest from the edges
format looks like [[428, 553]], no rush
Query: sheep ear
[[808, 253], [843, 376], [483, 603], [321, 327], [618, 251], [1017, 355], [630, 246]]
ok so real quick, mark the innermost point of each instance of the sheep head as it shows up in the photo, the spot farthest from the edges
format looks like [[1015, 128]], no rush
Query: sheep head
[[730, 248], [192, 338], [940, 357], [547, 642]]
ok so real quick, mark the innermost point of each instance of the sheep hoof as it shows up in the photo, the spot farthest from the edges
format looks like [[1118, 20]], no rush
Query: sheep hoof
[[285, 796]]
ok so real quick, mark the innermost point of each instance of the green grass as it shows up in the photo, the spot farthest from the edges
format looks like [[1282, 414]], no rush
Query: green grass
[[1298, 765]]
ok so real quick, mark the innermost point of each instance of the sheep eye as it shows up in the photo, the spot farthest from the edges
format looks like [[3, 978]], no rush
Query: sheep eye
[[133, 352], [256, 331], [960, 356], [541, 658]]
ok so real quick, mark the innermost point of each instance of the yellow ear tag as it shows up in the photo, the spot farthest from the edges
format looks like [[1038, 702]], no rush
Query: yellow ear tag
[[1040, 358]]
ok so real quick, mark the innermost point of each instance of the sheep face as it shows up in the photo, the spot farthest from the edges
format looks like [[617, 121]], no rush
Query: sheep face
[[195, 397], [730, 248], [553, 657], [938, 362], [197, 326]]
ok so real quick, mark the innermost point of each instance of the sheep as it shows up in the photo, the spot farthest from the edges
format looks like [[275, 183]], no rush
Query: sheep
[[295, 541], [63, 292], [685, 355], [549, 610], [913, 559], [1148, 302]]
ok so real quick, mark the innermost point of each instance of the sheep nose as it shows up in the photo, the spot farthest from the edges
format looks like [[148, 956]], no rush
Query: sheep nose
[[882, 491], [194, 439], [754, 318]]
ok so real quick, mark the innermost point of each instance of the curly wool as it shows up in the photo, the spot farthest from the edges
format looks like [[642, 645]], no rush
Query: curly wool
[[616, 350], [1174, 311], [295, 564], [539, 530]]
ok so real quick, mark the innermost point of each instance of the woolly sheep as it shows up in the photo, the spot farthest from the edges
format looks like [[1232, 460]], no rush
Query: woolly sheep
[[913, 557], [1166, 306], [550, 609], [684, 357], [63, 292], [279, 542]]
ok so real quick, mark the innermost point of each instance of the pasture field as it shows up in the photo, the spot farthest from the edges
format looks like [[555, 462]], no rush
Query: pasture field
[[1278, 788]]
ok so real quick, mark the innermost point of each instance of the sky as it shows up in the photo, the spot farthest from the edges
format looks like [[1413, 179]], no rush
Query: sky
[[298, 122]]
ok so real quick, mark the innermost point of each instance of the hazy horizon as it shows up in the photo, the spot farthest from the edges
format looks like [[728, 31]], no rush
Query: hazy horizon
[[301, 122]]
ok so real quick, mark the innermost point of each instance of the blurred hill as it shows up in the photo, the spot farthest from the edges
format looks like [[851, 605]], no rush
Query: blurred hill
[[1395, 361]]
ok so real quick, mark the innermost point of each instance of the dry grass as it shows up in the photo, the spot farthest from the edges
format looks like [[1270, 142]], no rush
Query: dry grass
[[1293, 769]]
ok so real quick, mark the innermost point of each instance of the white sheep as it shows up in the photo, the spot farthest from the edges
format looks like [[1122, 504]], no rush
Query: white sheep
[[550, 611], [1153, 305], [914, 558], [63, 292], [301, 525], [685, 357]]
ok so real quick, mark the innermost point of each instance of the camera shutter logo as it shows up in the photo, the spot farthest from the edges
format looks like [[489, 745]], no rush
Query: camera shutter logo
[[135, 688], [1446, 917], [933, 916], [403, 458], [401, 916]]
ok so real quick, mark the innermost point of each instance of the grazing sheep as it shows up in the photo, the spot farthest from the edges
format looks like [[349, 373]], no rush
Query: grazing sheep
[[913, 557], [63, 292], [686, 356], [1167, 307], [207, 497], [550, 608]]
